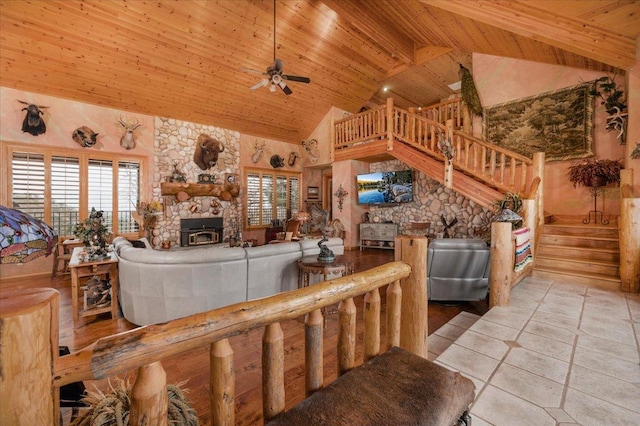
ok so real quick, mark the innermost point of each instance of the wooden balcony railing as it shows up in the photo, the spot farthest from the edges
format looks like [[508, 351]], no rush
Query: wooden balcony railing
[[31, 316], [498, 167]]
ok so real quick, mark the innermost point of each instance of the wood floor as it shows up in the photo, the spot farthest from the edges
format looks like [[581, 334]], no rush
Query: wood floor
[[192, 368]]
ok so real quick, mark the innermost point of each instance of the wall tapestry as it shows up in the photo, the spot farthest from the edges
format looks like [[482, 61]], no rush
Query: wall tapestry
[[558, 123]]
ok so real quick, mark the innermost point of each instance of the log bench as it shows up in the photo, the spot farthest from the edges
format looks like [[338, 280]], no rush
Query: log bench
[[394, 388]]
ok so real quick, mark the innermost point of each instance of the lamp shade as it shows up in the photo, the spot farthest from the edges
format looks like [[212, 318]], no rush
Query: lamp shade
[[507, 215], [24, 238]]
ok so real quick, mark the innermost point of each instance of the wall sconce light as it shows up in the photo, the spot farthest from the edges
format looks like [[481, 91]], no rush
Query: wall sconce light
[[340, 193]]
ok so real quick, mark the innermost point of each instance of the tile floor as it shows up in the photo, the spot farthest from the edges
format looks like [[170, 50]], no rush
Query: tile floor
[[560, 354]]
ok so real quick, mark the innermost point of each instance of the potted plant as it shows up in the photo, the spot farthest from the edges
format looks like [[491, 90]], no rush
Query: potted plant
[[592, 172]]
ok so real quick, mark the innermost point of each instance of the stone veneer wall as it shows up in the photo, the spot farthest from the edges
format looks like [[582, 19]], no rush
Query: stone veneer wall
[[431, 200], [174, 143]]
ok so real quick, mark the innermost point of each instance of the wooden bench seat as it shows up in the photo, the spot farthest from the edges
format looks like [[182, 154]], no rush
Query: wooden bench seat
[[394, 388]]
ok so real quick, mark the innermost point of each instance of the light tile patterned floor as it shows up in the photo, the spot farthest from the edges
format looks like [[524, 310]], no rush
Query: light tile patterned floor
[[560, 354]]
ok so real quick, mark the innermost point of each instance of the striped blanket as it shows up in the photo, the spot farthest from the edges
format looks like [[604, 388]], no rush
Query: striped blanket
[[523, 248]]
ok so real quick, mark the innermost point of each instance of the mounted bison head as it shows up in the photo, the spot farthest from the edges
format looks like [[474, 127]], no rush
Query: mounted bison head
[[33, 122], [207, 150], [85, 136]]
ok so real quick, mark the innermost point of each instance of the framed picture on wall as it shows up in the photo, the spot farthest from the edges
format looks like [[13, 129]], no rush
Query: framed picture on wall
[[313, 192]]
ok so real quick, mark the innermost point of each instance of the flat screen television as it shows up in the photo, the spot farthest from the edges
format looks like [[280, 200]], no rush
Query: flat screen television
[[385, 188]]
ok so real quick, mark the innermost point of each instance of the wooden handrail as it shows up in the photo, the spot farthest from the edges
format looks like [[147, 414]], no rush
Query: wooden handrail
[[154, 342], [143, 348]]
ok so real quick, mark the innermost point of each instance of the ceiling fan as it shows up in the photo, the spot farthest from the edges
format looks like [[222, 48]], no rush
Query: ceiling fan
[[274, 76]]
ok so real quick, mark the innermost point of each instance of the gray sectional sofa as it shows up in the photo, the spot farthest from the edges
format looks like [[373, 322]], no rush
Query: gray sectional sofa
[[160, 285]]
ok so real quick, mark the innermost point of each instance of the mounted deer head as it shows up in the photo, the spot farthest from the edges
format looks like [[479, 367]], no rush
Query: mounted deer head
[[311, 146], [127, 140], [258, 149]]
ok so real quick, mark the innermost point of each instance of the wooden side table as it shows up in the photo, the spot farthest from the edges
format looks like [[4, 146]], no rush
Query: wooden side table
[[107, 269], [309, 265]]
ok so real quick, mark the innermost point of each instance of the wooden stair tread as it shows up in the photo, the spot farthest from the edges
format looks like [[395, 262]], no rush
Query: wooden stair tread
[[578, 260], [582, 248], [593, 276]]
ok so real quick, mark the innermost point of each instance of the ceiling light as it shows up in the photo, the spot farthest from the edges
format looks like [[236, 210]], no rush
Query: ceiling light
[[385, 89]]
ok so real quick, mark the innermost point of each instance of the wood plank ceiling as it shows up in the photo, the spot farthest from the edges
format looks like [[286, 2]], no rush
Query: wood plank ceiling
[[184, 59]]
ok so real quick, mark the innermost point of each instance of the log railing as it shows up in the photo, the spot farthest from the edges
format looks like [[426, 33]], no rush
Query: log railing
[[451, 109], [629, 236], [143, 348], [498, 167], [503, 276]]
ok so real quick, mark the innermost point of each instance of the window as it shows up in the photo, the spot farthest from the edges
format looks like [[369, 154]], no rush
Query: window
[[62, 188], [270, 195]]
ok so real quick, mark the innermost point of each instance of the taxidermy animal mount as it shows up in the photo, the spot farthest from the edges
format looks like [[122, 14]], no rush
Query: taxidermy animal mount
[[293, 156], [258, 149], [445, 146], [33, 122], [85, 137], [127, 141], [207, 150], [276, 161], [311, 146]]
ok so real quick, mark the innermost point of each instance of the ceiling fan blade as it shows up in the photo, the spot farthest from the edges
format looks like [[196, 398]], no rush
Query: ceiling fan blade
[[253, 71], [285, 88], [262, 83], [297, 78]]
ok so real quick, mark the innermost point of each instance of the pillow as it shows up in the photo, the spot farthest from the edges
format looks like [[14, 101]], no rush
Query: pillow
[[138, 243]]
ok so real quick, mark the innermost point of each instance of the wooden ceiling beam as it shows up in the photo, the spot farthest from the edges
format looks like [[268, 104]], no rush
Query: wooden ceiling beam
[[395, 43], [424, 54], [543, 25]]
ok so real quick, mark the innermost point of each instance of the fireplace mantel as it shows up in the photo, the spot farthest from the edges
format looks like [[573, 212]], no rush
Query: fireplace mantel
[[225, 192]]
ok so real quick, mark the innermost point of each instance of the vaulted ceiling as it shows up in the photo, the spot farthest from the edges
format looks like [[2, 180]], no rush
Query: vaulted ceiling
[[185, 59]]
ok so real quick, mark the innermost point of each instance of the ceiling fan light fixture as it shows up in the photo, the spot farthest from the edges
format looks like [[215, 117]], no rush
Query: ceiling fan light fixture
[[272, 88]]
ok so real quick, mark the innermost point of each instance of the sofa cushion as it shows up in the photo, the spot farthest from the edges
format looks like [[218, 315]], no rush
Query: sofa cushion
[[271, 249], [200, 255]]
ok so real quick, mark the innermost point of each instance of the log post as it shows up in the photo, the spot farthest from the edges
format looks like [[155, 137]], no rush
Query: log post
[[223, 384], [531, 222], [414, 329], [538, 171], [149, 399], [28, 355], [346, 335], [371, 324], [448, 165], [313, 351], [272, 371], [629, 236], [390, 124], [502, 264], [394, 309]]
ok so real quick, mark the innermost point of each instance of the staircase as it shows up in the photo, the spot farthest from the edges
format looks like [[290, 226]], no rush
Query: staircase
[[585, 254]]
